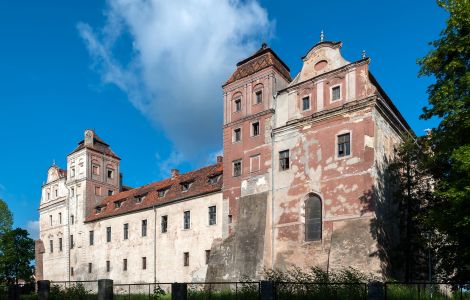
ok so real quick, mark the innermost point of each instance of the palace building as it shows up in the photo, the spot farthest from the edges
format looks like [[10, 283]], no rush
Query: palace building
[[302, 182]]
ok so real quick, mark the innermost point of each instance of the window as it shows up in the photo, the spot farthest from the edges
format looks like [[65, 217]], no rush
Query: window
[[237, 135], [237, 167], [110, 192], [118, 204], [72, 219], [162, 192], [185, 186], [313, 215], [335, 93], [71, 271], [110, 174], [108, 234], [72, 172], [108, 266], [92, 237], [60, 218], [97, 190], [214, 179], [259, 96], [284, 160], [140, 198], [230, 219], [186, 259], [90, 267], [208, 254], [60, 244], [95, 169], [255, 163], [50, 219], [56, 193], [255, 128], [124, 264], [48, 195], [238, 105], [144, 227], [72, 191], [164, 223], [126, 231], [187, 220], [344, 145], [212, 215], [51, 245], [306, 103], [144, 263], [71, 242]]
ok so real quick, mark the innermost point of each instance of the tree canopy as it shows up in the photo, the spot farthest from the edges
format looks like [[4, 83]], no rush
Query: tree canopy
[[16, 254], [6, 217]]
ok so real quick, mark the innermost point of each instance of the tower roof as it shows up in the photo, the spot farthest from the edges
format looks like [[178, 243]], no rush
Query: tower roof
[[95, 143], [264, 57]]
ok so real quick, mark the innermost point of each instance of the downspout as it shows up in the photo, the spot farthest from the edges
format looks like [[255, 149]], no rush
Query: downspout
[[154, 244], [272, 172], [67, 246]]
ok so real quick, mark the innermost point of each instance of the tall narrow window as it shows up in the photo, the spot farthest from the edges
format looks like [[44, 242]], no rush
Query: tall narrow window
[[110, 174], [90, 267], [238, 105], [72, 172], [336, 93], [237, 135], [212, 215], [97, 190], [51, 245], [259, 96], [50, 219], [108, 234], [126, 231], [144, 227], [72, 191], [71, 271], [60, 218], [124, 264], [237, 167], [108, 266], [60, 244], [72, 219], [313, 215], [284, 160], [71, 242], [208, 255], [92, 237], [306, 103], [144, 263], [255, 128], [187, 219], [95, 170], [186, 259], [164, 224], [344, 145]]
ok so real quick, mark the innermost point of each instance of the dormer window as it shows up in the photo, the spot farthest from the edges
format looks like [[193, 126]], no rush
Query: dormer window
[[214, 179], [238, 105], [99, 209], [118, 204], [139, 198], [162, 192], [110, 192], [186, 185]]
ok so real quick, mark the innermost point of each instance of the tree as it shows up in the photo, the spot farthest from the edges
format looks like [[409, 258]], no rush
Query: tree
[[449, 99], [16, 254], [6, 217]]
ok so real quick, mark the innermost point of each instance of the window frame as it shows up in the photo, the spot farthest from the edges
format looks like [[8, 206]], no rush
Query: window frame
[[258, 91], [237, 105], [286, 166], [164, 224], [311, 221], [143, 230], [186, 259], [125, 231], [212, 215], [186, 220], [339, 85], [252, 129], [91, 237], [95, 169], [124, 264], [234, 174], [108, 234], [237, 135], [309, 103], [338, 135]]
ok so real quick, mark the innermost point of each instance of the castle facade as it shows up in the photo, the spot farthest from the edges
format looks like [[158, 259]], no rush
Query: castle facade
[[301, 183]]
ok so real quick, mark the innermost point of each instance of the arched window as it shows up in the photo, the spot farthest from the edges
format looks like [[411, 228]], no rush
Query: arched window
[[313, 218]]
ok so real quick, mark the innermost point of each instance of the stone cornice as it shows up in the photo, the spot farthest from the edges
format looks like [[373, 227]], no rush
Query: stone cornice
[[250, 117]]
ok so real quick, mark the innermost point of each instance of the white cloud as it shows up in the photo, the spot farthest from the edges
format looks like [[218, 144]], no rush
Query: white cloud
[[180, 54], [33, 229], [164, 166]]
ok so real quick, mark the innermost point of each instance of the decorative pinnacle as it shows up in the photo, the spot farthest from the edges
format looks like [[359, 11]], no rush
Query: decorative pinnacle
[[322, 36], [363, 54]]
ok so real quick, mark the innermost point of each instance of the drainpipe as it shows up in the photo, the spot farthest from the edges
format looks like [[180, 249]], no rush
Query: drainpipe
[[67, 245], [154, 244], [273, 122]]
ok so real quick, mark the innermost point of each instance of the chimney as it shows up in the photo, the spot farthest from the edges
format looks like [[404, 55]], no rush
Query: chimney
[[220, 158], [175, 173]]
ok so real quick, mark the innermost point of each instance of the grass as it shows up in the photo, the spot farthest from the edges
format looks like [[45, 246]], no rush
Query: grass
[[406, 292]]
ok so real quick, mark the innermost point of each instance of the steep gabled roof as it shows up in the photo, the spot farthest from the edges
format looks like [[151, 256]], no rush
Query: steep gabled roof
[[98, 145]]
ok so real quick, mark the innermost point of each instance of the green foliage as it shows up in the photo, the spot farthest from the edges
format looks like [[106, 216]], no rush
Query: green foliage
[[416, 292], [73, 292], [17, 252], [6, 217], [449, 99]]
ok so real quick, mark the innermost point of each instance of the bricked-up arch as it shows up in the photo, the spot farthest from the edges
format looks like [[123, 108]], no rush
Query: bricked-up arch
[[313, 218]]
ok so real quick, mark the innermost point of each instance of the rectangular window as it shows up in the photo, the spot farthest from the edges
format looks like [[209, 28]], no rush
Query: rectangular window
[[97, 190], [56, 193], [51, 245], [72, 172], [144, 227], [108, 234], [60, 218], [238, 105], [237, 167], [92, 237], [124, 264], [60, 244], [344, 145], [144, 263], [284, 160], [187, 220], [71, 242], [95, 170], [48, 195], [110, 174], [72, 191], [72, 219], [255, 128], [110, 192], [255, 163], [306, 103], [126, 231], [50, 219], [259, 97], [164, 224], [208, 254], [237, 135], [212, 215], [230, 219], [336, 93], [90, 267], [186, 259], [71, 271], [108, 266]]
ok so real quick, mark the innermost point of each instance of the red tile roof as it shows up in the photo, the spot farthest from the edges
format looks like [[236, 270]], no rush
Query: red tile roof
[[98, 145], [200, 186]]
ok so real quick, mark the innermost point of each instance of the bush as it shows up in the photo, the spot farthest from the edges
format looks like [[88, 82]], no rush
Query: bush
[[74, 292]]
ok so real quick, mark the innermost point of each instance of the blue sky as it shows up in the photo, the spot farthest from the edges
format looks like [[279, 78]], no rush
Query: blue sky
[[148, 79]]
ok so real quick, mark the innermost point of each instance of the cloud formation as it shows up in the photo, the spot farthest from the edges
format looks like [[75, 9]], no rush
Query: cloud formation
[[33, 229], [171, 58]]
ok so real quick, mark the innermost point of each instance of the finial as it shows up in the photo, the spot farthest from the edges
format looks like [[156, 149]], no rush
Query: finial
[[53, 162], [264, 45], [322, 36], [363, 54]]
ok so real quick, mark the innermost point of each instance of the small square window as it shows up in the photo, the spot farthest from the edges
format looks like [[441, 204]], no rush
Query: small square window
[[259, 96], [60, 244], [71, 271], [110, 174], [238, 105], [110, 192], [230, 218], [186, 259], [255, 128], [237, 168], [72, 244], [118, 204], [336, 93], [284, 160], [306, 103], [95, 170], [344, 145], [237, 135]]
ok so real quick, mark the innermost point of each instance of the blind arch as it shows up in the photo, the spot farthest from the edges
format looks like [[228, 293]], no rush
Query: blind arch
[[313, 218]]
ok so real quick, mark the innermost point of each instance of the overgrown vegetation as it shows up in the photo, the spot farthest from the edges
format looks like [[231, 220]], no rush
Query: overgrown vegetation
[[73, 292]]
